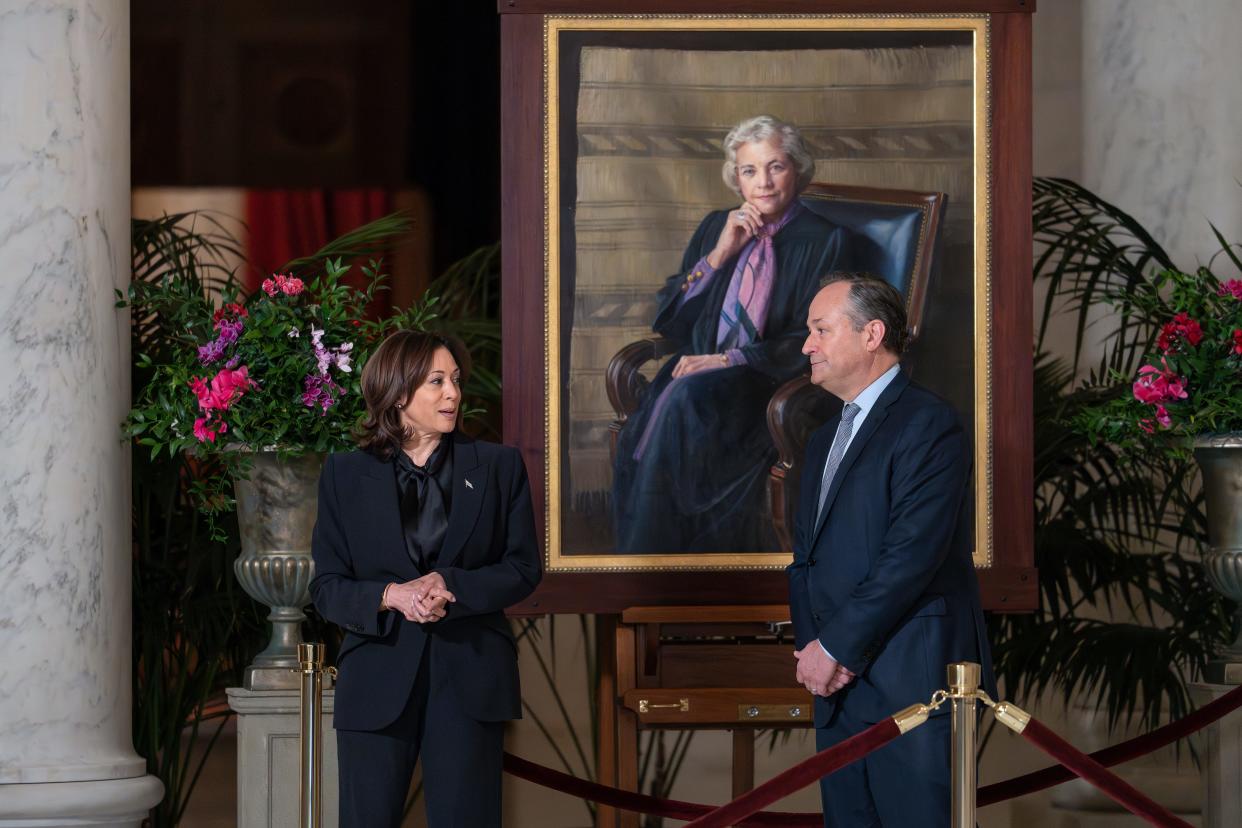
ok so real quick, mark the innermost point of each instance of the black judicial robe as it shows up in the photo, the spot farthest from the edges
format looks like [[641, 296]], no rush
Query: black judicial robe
[[700, 485]]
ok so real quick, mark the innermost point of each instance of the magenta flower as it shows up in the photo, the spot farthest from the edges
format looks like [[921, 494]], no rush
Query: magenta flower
[[320, 392], [283, 283], [1156, 386], [225, 388], [1231, 288], [210, 352], [228, 331], [206, 431]]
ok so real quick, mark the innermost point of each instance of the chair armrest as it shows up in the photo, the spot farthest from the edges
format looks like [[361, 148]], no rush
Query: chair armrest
[[623, 380], [795, 410]]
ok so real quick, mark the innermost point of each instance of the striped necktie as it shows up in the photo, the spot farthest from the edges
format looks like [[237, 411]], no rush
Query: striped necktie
[[839, 444]]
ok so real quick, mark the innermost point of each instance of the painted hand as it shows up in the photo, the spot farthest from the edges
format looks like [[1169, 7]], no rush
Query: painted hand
[[695, 363]]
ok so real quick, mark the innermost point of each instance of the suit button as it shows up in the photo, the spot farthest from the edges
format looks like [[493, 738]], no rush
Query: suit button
[[815, 616], [810, 562]]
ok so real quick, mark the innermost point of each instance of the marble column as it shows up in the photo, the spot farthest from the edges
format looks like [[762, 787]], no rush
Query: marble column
[[1161, 103], [66, 753]]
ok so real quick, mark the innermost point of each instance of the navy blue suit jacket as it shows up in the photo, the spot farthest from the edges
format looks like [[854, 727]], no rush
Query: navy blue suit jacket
[[885, 579], [490, 560]]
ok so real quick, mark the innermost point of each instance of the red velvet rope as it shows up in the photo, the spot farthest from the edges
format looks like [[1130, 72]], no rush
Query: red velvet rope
[[643, 804], [1114, 787], [742, 811], [1117, 754], [989, 795], [801, 775]]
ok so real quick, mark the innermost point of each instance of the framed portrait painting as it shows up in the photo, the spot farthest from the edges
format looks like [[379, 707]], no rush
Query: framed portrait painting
[[646, 481]]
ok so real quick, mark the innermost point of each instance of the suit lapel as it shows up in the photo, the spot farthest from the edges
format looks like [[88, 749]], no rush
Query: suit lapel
[[469, 484], [381, 484], [875, 417]]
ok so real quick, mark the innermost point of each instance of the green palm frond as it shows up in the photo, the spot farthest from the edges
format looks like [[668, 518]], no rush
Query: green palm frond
[[1126, 616], [1091, 253], [371, 240]]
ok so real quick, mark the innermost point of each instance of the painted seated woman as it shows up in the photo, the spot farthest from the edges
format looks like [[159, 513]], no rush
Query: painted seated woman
[[691, 463]]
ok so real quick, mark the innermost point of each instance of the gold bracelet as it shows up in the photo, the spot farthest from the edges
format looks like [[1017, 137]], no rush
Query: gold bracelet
[[384, 598]]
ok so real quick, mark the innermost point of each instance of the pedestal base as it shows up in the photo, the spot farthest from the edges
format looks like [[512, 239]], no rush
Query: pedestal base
[[104, 803], [272, 677], [1223, 672], [1221, 761], [269, 758]]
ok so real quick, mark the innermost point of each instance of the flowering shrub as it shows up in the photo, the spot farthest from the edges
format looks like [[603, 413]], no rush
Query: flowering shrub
[[1190, 381], [274, 371]]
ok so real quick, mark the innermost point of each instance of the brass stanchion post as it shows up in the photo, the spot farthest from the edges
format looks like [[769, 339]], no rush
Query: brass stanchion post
[[963, 687], [310, 662]]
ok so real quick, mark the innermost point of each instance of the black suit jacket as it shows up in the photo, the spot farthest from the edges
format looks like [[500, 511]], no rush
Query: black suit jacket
[[884, 579], [490, 560]]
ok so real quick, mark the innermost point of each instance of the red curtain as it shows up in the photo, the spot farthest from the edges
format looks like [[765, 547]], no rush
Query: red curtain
[[289, 224]]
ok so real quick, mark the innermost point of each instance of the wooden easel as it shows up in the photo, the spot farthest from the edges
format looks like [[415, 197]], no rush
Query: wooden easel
[[692, 667]]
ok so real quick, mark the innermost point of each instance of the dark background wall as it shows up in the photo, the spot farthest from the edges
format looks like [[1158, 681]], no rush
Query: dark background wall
[[391, 94]]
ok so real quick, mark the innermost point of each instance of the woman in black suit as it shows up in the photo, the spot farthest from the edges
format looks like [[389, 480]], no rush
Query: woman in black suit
[[424, 537]]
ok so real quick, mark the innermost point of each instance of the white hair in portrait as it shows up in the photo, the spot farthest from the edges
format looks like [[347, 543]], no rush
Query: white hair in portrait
[[759, 129]]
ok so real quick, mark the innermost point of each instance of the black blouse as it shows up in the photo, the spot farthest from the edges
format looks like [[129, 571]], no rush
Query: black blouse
[[425, 494]]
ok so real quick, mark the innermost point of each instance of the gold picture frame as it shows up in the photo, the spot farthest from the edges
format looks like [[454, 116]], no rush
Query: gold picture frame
[[631, 32]]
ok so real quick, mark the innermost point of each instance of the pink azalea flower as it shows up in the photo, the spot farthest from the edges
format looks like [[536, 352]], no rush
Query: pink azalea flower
[[1231, 288], [1147, 426], [1162, 417], [206, 431], [1156, 386], [283, 283], [202, 391], [1237, 341], [228, 386], [225, 388], [202, 432]]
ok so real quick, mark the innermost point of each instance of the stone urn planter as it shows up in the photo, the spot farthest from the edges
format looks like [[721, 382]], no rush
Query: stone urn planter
[[1220, 458], [276, 508]]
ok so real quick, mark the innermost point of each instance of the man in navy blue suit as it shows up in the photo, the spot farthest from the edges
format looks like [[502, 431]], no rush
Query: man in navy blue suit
[[882, 588]]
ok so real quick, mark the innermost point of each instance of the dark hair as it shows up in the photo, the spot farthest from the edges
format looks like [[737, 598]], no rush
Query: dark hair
[[398, 367], [873, 298]]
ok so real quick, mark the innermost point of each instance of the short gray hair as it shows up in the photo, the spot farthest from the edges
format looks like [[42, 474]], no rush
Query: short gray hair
[[873, 298], [760, 129]]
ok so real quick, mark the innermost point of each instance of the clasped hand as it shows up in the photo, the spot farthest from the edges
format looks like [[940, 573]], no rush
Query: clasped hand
[[422, 600], [818, 672]]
